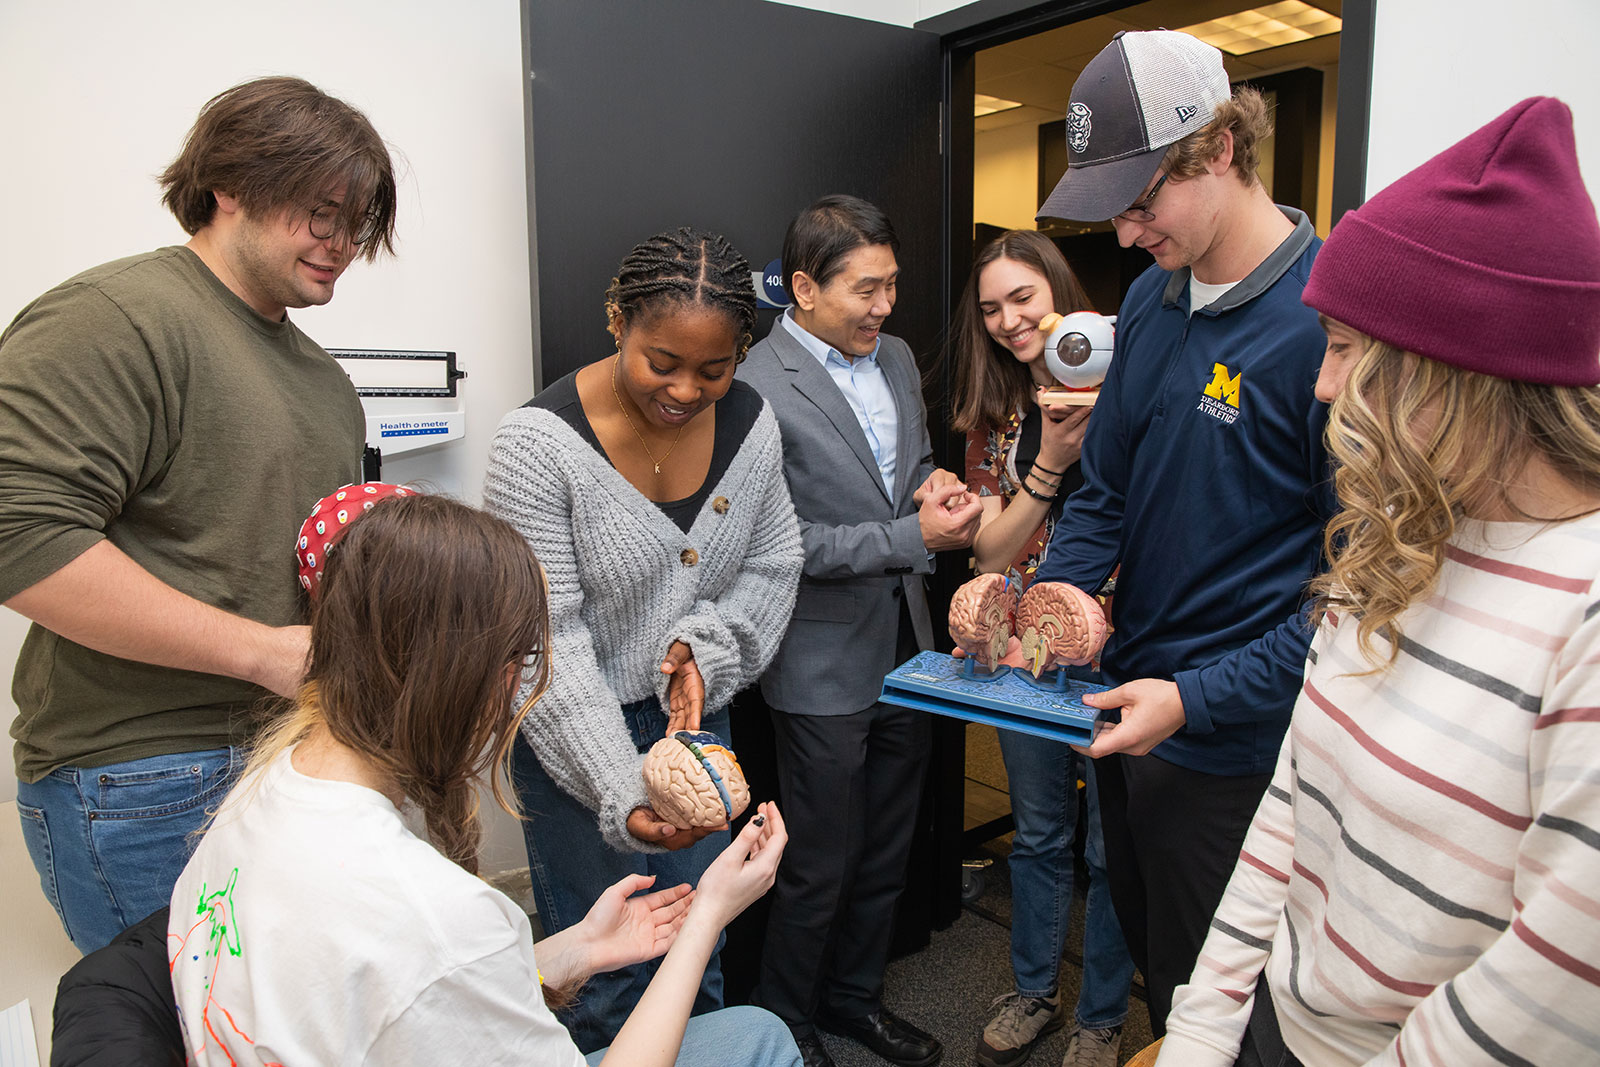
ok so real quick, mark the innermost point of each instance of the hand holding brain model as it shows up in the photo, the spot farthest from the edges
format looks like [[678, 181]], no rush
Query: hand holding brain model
[[1054, 622]]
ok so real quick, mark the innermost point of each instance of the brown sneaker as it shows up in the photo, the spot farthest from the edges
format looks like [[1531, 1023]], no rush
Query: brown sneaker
[[1093, 1048], [1018, 1022]]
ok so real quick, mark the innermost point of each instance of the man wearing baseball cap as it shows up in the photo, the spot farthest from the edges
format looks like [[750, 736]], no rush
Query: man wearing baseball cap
[[1205, 480]]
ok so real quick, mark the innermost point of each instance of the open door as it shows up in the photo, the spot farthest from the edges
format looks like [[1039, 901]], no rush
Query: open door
[[732, 115]]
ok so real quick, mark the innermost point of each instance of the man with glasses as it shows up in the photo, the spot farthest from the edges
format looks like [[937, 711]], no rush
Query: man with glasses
[[166, 428], [1205, 477]]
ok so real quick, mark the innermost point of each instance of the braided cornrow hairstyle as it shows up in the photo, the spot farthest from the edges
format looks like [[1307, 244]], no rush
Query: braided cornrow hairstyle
[[686, 267]]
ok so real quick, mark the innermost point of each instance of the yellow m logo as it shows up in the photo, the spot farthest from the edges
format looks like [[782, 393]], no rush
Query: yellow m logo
[[1222, 387]]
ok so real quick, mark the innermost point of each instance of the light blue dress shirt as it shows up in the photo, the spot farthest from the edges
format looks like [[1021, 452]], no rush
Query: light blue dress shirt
[[866, 388]]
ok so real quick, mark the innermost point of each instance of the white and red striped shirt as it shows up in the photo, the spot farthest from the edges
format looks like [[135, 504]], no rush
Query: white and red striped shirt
[[1421, 884]]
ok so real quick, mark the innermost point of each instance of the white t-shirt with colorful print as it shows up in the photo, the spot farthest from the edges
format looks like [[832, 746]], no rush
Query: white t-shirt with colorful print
[[312, 927]]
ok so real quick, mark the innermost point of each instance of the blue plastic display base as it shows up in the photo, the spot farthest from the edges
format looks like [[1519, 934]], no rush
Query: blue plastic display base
[[1008, 698]]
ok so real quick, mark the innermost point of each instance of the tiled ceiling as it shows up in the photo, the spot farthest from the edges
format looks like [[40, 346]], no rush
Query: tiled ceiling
[[1039, 70]]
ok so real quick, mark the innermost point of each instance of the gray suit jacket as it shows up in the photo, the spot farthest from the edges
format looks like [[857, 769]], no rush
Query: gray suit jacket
[[863, 551]]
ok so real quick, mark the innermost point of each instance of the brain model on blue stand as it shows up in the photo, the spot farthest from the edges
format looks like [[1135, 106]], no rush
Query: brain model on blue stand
[[694, 780]]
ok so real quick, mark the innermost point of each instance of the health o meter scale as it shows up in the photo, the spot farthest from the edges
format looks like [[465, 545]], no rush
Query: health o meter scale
[[409, 399]]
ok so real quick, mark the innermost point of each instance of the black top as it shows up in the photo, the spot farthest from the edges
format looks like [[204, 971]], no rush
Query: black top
[[1028, 451], [736, 414]]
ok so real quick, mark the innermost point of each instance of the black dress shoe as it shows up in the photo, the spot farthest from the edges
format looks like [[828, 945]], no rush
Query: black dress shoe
[[812, 1053], [889, 1036]]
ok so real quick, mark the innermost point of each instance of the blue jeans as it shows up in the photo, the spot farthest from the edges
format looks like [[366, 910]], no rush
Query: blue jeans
[[572, 865], [109, 842], [737, 1037], [1043, 775]]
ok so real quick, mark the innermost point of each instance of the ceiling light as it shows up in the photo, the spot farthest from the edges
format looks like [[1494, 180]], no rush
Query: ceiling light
[[988, 105], [1265, 27]]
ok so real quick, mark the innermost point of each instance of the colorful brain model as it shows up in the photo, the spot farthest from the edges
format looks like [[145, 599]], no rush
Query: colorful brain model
[[1060, 623], [980, 617], [694, 780]]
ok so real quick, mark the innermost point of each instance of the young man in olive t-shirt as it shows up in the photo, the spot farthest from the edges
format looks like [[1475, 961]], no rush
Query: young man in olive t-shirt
[[167, 427]]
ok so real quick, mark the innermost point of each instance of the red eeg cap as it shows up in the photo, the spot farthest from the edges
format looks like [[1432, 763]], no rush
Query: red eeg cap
[[328, 520]]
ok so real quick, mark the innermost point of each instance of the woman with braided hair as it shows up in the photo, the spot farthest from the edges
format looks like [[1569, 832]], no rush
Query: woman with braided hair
[[650, 485]]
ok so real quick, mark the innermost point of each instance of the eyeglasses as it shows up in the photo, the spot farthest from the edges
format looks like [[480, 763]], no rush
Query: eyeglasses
[[1140, 212], [326, 222]]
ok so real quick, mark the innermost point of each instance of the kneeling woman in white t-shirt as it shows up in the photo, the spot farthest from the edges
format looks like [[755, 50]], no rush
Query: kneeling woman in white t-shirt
[[313, 926]]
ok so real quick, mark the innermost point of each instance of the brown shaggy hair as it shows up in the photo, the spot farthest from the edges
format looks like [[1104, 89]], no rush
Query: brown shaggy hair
[[1246, 116], [990, 385], [281, 142]]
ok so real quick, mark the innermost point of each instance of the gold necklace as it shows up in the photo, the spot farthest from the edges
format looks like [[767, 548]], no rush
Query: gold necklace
[[653, 460]]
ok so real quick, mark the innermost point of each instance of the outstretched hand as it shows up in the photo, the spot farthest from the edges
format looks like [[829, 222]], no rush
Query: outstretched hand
[[686, 689], [622, 929], [1152, 711], [652, 829], [745, 870]]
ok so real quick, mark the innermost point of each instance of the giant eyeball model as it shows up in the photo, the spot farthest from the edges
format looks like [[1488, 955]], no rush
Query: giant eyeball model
[[694, 780], [1077, 351]]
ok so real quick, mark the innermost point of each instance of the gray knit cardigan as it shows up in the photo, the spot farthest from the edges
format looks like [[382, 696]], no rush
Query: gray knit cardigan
[[626, 582]]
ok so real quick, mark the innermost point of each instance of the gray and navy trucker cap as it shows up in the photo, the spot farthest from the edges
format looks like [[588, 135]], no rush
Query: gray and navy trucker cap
[[1145, 90]]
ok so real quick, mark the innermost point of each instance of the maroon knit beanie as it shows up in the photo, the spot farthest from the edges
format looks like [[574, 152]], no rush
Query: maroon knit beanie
[[1486, 257]]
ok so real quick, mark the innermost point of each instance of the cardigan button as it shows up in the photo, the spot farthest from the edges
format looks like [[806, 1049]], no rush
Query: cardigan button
[[720, 505], [689, 557]]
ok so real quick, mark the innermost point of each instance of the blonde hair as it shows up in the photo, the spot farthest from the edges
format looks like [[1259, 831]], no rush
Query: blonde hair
[[1419, 444]]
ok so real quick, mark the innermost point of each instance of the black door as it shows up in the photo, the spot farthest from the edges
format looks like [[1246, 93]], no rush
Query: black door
[[732, 115], [729, 115]]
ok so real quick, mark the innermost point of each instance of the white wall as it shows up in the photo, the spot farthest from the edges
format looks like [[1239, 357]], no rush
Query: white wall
[[97, 99], [895, 12], [1441, 71]]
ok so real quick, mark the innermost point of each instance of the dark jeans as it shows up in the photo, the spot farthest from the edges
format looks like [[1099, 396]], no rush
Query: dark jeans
[[1172, 839], [1043, 775], [572, 865]]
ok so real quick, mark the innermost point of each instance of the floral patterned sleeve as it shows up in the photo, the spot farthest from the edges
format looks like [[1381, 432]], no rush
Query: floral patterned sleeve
[[986, 463]]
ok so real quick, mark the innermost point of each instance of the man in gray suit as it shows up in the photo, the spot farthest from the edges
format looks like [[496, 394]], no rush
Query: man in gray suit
[[873, 509]]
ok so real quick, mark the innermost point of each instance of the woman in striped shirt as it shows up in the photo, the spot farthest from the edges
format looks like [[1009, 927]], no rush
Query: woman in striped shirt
[[1421, 884]]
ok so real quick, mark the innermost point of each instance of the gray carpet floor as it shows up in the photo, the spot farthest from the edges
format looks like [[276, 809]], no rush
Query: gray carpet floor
[[948, 987]]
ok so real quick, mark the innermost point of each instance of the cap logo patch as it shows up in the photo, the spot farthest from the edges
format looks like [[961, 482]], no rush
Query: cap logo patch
[[1185, 112], [1078, 127]]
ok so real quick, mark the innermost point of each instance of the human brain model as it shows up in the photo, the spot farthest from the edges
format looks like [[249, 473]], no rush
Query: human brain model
[[694, 780], [1060, 622], [980, 617], [1053, 621]]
